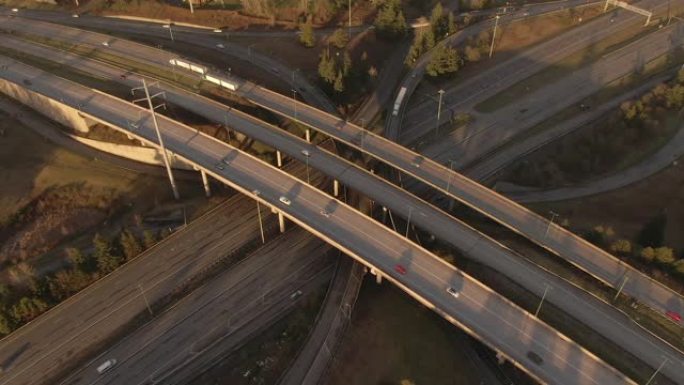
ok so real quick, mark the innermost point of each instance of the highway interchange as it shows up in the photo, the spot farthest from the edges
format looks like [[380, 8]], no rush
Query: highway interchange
[[585, 308], [365, 141], [509, 328]]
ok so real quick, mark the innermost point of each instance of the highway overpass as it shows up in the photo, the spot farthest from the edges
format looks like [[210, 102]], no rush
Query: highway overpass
[[478, 310]]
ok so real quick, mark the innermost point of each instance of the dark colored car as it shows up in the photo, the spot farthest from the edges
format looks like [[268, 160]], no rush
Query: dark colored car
[[534, 357]]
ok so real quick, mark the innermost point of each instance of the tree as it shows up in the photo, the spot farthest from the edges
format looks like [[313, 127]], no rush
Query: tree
[[647, 254], [107, 261], [130, 245], [675, 97], [67, 282], [452, 28], [664, 255], [472, 54], [346, 64], [390, 21], [621, 246], [28, 309], [306, 37], [679, 267], [326, 67], [680, 76], [75, 256], [339, 38], [444, 60], [5, 324], [339, 82], [149, 238]]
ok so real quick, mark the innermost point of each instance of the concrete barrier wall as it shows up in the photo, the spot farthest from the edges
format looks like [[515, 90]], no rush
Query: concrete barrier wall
[[52, 109], [148, 155]]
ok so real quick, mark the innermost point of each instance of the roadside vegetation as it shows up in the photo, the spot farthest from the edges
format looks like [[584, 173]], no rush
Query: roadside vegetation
[[618, 140]]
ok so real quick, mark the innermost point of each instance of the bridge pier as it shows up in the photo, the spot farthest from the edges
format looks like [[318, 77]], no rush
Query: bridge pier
[[279, 159], [281, 221], [336, 187], [205, 182], [377, 274], [307, 133]]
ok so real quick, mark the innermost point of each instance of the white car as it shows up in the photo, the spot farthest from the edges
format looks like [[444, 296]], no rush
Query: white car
[[219, 45], [105, 366], [218, 30], [452, 291], [75, 15], [285, 201], [105, 43], [15, 10]]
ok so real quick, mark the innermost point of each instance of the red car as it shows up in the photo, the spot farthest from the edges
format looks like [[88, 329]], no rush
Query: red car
[[673, 315], [400, 269]]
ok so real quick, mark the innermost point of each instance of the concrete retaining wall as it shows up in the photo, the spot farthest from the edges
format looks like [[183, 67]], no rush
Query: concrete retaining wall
[[52, 109], [148, 155]]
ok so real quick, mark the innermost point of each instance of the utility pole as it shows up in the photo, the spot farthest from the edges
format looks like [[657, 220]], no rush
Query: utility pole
[[307, 154], [496, 24], [261, 225], [553, 216], [657, 371], [546, 288], [408, 222], [622, 285], [149, 309], [165, 155], [349, 29], [439, 112]]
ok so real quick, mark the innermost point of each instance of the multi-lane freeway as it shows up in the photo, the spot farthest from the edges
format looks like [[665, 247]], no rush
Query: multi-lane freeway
[[594, 313], [477, 309]]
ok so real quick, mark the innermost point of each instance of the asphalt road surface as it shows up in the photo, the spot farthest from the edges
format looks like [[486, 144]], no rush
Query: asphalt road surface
[[253, 292], [478, 309], [37, 351], [594, 313]]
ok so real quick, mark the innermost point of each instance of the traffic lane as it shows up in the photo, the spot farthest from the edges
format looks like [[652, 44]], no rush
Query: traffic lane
[[199, 319], [363, 239], [493, 130], [89, 309], [606, 267], [474, 89], [425, 216]]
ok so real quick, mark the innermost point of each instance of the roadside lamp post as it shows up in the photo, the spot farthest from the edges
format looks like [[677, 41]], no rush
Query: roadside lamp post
[[408, 222], [307, 154], [496, 24], [261, 226], [622, 285], [439, 112], [451, 167], [553, 216], [546, 289], [657, 371]]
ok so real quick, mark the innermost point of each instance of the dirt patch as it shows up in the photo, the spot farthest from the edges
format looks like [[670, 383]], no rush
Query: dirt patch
[[392, 338], [56, 214]]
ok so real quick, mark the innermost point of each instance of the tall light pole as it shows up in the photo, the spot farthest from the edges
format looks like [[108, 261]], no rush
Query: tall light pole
[[307, 154], [439, 112], [161, 141], [349, 29], [192, 10], [261, 226], [496, 24], [553, 216], [657, 371], [546, 289], [171, 31], [451, 167], [408, 222]]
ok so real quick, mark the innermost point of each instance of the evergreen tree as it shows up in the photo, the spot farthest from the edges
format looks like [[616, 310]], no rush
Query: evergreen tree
[[339, 38], [306, 37], [130, 245], [346, 64], [107, 261], [149, 238], [339, 82], [452, 28], [28, 309], [444, 60], [390, 20], [326, 67]]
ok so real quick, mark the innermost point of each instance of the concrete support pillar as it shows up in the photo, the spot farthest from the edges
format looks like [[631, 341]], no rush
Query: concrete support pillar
[[336, 188], [279, 159], [451, 204], [205, 182], [378, 277], [308, 135], [281, 221]]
